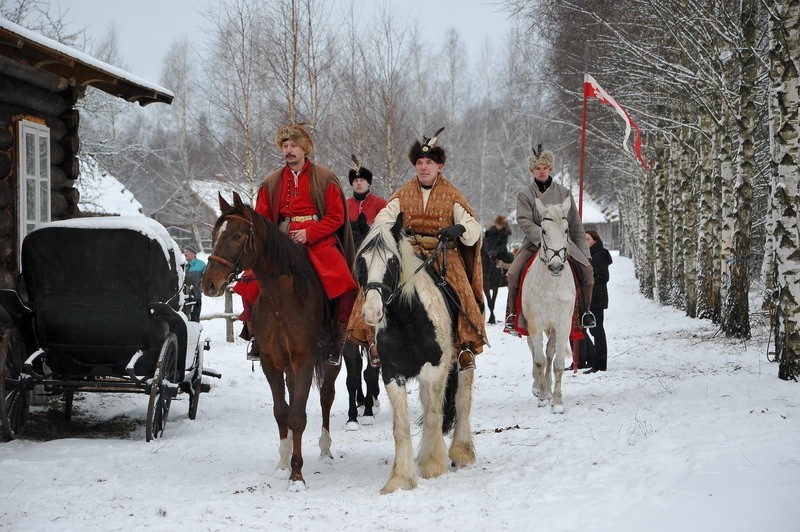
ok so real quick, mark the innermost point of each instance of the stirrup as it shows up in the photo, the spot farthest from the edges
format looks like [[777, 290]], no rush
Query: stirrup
[[334, 359], [509, 327], [373, 356], [588, 320], [466, 360], [252, 353]]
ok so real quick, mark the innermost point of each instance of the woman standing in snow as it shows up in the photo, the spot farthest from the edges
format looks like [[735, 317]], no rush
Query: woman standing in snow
[[601, 260]]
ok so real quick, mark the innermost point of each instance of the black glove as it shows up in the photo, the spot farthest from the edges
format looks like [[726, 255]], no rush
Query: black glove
[[451, 234], [363, 226]]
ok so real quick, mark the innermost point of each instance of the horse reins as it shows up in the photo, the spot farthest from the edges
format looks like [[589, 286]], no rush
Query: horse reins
[[248, 241]]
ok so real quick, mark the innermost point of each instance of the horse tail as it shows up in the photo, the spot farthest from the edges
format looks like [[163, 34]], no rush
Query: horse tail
[[449, 406]]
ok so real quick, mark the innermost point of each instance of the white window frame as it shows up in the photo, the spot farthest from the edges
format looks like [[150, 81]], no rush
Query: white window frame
[[34, 171]]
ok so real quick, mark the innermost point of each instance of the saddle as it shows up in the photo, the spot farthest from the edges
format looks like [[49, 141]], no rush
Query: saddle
[[576, 331]]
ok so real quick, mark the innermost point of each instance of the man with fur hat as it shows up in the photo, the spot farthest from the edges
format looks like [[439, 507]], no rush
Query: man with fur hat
[[307, 202], [363, 205], [529, 220], [433, 210]]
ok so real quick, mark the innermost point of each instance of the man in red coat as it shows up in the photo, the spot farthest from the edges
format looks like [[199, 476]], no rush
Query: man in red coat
[[363, 205], [306, 201]]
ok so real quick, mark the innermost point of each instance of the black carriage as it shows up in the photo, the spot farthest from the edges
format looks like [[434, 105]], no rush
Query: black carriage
[[102, 312]]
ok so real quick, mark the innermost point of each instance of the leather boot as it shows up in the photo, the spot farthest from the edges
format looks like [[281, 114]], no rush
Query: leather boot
[[335, 356], [252, 353], [587, 318], [466, 360], [372, 351]]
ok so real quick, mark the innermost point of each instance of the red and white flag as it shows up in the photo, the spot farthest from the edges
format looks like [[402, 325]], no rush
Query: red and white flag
[[592, 89]]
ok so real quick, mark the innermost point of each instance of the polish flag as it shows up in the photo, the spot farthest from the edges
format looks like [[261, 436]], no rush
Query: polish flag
[[591, 89]]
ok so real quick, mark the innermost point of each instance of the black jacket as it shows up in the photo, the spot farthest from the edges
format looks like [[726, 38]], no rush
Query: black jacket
[[495, 243], [601, 260]]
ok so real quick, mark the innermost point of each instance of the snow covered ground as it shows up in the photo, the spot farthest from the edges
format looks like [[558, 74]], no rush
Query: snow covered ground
[[685, 431]]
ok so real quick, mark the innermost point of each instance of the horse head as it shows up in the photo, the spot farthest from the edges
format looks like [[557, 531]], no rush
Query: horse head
[[555, 235], [379, 268], [233, 246]]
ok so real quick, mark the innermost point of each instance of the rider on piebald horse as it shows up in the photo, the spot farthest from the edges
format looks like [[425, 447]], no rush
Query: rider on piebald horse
[[529, 220]]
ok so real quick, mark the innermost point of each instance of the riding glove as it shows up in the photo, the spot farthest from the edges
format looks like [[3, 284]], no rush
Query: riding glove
[[451, 234]]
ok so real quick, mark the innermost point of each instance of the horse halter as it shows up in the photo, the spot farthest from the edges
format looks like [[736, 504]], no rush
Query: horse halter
[[560, 252], [248, 241]]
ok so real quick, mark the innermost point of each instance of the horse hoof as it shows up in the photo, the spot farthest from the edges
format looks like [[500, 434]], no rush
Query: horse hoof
[[558, 409], [542, 403], [376, 406], [352, 426], [367, 420], [296, 486], [399, 483]]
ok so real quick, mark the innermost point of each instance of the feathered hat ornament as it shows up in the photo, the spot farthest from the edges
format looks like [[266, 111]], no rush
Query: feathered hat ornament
[[541, 157], [358, 171], [428, 148]]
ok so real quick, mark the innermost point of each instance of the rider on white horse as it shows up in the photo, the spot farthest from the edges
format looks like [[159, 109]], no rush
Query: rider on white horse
[[550, 193]]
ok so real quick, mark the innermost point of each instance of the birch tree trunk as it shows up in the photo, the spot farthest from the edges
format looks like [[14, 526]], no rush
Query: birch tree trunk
[[785, 128], [736, 315], [707, 225], [661, 223]]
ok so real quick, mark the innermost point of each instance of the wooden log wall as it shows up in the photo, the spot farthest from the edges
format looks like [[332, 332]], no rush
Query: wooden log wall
[[58, 112]]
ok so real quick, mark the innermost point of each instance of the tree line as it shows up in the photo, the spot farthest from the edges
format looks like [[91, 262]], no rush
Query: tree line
[[712, 227]]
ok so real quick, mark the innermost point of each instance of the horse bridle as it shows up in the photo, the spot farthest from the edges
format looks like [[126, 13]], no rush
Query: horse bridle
[[248, 241], [388, 293], [560, 253]]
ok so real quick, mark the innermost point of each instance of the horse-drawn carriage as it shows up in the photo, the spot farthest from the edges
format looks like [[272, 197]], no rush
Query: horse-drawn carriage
[[101, 312]]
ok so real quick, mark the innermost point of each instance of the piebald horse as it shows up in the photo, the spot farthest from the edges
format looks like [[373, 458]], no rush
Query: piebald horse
[[414, 334], [548, 302]]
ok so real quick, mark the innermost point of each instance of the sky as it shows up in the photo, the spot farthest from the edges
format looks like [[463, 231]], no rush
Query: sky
[[685, 432], [147, 28]]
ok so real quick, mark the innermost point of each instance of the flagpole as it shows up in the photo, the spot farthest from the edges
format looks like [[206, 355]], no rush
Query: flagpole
[[583, 150]]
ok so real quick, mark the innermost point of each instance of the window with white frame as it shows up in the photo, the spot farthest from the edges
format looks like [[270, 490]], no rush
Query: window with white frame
[[34, 177]]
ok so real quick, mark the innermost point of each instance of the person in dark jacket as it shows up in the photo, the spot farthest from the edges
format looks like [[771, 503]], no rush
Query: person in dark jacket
[[601, 260], [194, 273], [495, 240]]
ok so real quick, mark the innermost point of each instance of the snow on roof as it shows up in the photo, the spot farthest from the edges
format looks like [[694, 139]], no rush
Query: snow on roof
[[82, 57], [142, 224], [102, 193], [208, 192]]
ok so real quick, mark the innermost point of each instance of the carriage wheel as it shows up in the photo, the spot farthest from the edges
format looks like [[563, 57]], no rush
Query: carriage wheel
[[14, 395], [160, 395], [197, 382]]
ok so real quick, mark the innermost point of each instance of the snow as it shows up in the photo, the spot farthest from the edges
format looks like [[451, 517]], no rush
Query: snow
[[81, 57], [685, 431], [147, 226], [102, 193]]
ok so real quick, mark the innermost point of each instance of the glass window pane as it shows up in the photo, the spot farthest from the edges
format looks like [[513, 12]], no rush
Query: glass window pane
[[44, 164], [30, 199], [44, 208], [29, 228], [30, 154]]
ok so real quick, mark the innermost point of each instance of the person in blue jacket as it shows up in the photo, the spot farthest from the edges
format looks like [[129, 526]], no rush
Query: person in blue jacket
[[194, 273]]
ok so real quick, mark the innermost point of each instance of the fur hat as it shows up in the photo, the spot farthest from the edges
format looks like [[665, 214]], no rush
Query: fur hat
[[296, 133], [191, 247], [501, 220], [541, 157], [427, 148], [359, 171]]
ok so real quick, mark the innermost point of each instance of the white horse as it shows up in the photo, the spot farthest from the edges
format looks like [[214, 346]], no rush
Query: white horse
[[414, 335], [548, 301]]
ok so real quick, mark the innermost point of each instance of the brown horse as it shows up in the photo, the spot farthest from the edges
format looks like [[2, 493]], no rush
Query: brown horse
[[292, 321]]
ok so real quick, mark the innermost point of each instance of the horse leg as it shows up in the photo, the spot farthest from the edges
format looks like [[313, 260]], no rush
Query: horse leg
[[280, 409], [371, 404], [560, 350], [487, 291], [462, 449], [432, 449], [352, 361], [541, 388], [327, 393], [404, 473], [300, 378]]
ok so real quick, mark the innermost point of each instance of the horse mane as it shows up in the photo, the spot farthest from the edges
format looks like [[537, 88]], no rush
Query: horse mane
[[285, 256]]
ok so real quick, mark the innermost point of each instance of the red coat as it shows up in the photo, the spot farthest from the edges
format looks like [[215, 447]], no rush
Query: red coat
[[293, 198], [370, 206]]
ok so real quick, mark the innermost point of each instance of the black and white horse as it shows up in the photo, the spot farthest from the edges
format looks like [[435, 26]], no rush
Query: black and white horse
[[414, 334], [363, 394]]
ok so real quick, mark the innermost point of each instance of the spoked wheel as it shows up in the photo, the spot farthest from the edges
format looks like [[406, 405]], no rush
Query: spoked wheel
[[197, 382], [14, 404], [162, 388]]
